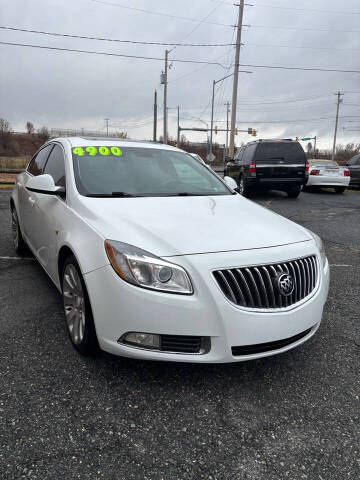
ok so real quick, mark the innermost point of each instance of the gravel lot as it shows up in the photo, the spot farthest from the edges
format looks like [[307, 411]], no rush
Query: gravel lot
[[292, 416]]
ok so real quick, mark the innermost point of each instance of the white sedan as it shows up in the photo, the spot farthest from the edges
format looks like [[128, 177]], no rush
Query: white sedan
[[158, 258], [325, 174]]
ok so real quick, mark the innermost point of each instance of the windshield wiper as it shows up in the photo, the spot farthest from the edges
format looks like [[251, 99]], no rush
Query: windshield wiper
[[112, 195], [188, 194]]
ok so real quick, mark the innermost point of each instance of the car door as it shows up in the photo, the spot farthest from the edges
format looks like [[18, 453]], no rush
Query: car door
[[27, 199], [354, 167], [233, 168], [49, 212]]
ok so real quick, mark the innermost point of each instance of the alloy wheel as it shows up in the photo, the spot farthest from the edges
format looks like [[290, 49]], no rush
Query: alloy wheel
[[74, 303]]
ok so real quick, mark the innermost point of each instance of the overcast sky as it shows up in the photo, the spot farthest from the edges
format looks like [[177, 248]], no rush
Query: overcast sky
[[78, 90]]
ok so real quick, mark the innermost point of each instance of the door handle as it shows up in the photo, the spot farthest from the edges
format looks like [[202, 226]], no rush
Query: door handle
[[31, 201]]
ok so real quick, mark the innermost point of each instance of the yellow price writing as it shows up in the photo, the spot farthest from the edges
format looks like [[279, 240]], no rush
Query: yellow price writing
[[93, 151]]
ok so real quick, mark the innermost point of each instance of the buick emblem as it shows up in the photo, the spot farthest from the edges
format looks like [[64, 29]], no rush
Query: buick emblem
[[285, 284]]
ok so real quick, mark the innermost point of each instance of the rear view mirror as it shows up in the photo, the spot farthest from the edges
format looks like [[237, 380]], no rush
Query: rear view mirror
[[230, 182], [44, 184]]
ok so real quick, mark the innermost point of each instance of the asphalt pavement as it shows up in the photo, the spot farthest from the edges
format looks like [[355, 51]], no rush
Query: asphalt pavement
[[292, 416]]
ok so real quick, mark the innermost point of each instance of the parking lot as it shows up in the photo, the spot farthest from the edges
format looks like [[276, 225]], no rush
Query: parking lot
[[292, 416]]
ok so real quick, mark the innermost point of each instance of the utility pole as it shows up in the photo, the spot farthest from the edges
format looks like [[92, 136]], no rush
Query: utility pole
[[315, 146], [165, 97], [212, 118], [212, 108], [178, 127], [236, 76], [155, 117], [227, 127], [107, 126], [339, 95]]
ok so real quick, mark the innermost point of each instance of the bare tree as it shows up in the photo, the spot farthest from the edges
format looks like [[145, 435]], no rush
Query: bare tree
[[43, 134], [29, 127], [5, 133], [121, 135]]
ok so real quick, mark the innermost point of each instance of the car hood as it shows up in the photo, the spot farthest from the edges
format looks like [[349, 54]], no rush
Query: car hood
[[169, 226]]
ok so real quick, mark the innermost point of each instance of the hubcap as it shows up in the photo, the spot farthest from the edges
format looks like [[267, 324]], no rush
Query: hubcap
[[74, 303], [14, 228]]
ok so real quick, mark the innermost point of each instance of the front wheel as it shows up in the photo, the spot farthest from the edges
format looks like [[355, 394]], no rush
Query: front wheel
[[294, 192], [339, 189], [78, 314], [18, 240]]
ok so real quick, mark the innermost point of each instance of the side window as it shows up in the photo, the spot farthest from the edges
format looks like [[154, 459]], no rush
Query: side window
[[249, 153], [37, 163], [55, 166], [354, 160]]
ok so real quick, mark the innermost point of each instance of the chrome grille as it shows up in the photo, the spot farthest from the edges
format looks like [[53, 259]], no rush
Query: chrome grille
[[256, 286]]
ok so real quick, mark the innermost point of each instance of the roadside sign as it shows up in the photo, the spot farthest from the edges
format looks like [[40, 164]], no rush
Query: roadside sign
[[210, 157], [306, 139]]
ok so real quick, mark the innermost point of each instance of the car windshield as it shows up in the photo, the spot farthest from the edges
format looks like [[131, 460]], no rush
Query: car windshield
[[134, 171]]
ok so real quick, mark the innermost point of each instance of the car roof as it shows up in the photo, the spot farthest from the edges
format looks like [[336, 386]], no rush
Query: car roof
[[104, 141]]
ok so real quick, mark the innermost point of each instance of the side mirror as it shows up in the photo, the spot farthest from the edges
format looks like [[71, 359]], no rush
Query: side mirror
[[230, 182], [44, 184]]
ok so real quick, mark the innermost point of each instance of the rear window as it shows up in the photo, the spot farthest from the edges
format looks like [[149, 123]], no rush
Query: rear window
[[290, 152], [314, 163]]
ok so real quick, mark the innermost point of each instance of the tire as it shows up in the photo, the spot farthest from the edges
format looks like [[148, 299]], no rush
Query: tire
[[294, 192], [18, 240], [339, 189], [243, 188], [77, 310]]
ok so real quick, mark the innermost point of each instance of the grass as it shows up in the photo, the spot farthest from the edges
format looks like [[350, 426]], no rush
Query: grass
[[14, 162]]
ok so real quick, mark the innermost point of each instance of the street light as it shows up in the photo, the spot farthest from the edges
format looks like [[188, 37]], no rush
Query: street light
[[212, 106]]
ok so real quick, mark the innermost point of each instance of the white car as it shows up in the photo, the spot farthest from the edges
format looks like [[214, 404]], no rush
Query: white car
[[158, 258], [326, 173]]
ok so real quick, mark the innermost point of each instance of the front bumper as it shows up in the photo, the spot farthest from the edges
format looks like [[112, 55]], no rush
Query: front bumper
[[119, 307]]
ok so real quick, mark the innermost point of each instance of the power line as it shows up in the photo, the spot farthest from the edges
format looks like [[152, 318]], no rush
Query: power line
[[177, 60], [108, 54], [262, 5], [117, 40], [203, 20], [289, 100], [303, 28], [301, 68], [151, 12], [310, 47], [343, 12], [282, 121]]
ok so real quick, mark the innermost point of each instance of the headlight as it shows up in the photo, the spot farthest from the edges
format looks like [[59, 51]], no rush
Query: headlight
[[320, 246], [143, 269]]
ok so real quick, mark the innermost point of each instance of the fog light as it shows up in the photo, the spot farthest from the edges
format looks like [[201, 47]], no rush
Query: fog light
[[146, 340]]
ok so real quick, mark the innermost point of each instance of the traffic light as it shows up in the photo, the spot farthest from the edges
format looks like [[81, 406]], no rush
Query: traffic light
[[216, 129], [253, 133], [236, 131], [250, 130]]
